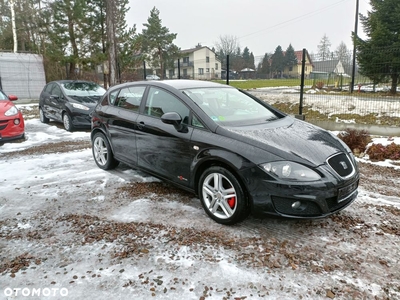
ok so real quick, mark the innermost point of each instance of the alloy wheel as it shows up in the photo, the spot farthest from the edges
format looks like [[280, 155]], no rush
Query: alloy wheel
[[219, 195], [100, 151]]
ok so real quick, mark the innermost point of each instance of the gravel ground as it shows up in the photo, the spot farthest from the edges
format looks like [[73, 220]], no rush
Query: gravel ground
[[125, 235]]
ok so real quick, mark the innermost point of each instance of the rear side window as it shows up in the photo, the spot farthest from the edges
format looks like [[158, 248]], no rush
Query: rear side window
[[129, 97]]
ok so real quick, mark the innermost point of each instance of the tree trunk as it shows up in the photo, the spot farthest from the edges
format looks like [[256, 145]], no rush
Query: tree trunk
[[14, 29], [395, 79], [111, 42]]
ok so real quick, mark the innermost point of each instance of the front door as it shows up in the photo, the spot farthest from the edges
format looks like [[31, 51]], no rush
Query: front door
[[162, 148]]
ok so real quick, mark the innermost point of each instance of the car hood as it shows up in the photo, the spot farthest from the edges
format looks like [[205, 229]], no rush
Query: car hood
[[289, 139], [86, 100]]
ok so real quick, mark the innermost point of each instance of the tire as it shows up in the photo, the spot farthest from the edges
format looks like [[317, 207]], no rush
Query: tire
[[68, 122], [222, 196], [102, 153], [42, 116]]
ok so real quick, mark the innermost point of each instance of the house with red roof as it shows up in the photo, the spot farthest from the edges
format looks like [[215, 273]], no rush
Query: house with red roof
[[295, 71]]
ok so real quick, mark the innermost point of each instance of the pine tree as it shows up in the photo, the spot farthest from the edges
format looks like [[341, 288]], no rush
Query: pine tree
[[379, 54], [157, 42], [265, 66], [290, 57], [278, 62]]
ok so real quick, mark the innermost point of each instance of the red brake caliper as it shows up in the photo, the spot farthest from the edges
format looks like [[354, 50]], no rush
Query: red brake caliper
[[232, 202]]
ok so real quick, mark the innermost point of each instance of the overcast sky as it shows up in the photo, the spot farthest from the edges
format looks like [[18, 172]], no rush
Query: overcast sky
[[260, 25]]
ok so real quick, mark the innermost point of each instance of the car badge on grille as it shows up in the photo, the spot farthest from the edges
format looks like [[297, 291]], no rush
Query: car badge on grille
[[344, 165]]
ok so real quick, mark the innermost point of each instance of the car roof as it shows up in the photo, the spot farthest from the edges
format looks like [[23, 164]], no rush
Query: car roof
[[181, 84]]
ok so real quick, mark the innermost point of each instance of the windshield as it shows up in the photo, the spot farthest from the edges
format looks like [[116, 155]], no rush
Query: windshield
[[83, 89], [230, 107], [3, 96]]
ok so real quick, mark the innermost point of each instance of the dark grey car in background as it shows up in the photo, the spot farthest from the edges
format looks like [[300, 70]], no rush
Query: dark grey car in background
[[69, 102]]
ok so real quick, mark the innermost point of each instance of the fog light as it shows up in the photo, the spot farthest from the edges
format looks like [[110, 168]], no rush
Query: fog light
[[16, 121], [296, 205]]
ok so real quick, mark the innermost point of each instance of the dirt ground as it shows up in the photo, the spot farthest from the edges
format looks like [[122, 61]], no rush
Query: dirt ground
[[132, 237]]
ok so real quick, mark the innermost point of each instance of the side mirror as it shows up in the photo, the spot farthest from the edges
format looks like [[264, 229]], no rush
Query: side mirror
[[173, 118], [54, 97], [12, 97]]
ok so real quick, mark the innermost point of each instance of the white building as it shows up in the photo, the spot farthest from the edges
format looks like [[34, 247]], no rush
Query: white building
[[197, 63]]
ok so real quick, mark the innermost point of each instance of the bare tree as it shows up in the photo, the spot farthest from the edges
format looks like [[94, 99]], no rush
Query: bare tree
[[343, 53], [324, 48], [227, 44]]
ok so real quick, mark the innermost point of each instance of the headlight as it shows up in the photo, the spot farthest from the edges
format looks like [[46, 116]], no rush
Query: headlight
[[290, 171], [12, 111], [80, 106]]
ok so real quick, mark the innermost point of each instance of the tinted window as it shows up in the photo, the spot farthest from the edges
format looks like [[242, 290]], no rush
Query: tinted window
[[160, 102], [56, 91], [113, 96], [48, 88], [130, 97]]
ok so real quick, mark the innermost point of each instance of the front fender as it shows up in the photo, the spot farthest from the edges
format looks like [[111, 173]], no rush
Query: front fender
[[209, 157]]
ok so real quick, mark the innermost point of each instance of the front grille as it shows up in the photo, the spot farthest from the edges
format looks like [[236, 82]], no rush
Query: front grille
[[284, 206], [3, 124], [341, 164]]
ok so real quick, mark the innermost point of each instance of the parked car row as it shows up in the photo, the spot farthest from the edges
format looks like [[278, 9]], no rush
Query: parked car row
[[238, 154]]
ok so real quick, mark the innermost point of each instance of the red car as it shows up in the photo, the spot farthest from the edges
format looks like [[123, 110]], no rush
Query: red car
[[12, 124]]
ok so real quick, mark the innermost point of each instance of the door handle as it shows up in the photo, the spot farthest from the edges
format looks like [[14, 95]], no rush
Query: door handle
[[141, 125]]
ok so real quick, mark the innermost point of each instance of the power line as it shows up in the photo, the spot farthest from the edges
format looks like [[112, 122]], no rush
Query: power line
[[295, 19]]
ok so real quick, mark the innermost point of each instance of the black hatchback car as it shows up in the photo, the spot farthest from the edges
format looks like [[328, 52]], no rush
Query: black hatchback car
[[237, 153], [69, 102]]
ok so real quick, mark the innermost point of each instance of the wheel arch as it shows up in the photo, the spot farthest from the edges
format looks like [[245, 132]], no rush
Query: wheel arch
[[234, 168], [104, 132]]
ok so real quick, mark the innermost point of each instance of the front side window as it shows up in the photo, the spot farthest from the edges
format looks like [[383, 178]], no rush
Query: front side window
[[113, 96], [56, 91], [130, 97], [160, 102]]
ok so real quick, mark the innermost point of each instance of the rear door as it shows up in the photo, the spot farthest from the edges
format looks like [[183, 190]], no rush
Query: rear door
[[162, 149], [122, 116]]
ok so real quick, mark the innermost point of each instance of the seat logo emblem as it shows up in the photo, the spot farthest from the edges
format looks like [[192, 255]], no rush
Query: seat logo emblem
[[344, 165]]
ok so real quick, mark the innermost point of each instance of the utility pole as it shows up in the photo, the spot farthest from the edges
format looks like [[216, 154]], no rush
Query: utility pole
[[354, 48], [112, 52]]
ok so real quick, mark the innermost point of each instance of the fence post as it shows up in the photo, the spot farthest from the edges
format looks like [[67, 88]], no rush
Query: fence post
[[303, 68], [227, 69]]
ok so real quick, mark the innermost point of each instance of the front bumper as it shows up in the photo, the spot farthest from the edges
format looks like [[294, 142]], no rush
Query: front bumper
[[81, 118], [11, 131], [301, 199]]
